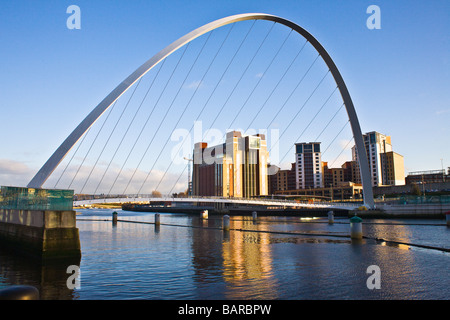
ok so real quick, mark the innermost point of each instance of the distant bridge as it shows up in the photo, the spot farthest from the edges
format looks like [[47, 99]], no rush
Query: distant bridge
[[215, 200]]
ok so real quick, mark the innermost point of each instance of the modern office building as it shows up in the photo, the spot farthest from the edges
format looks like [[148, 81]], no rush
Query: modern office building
[[237, 168], [308, 165], [386, 166]]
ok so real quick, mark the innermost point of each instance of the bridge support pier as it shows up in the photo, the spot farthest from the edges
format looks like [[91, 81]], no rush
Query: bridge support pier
[[45, 234]]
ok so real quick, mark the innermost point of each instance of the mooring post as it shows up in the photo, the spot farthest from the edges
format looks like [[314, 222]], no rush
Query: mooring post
[[157, 219], [226, 223], [204, 214], [114, 218], [356, 228], [19, 292], [330, 217]]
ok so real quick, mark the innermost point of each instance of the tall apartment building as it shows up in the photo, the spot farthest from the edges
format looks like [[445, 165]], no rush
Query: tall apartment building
[[386, 166], [308, 165], [237, 168]]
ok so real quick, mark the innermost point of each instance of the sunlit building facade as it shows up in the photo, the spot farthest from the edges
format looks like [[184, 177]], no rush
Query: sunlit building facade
[[237, 168], [386, 166]]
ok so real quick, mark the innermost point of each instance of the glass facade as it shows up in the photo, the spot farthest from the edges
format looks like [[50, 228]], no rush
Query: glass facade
[[35, 199], [254, 142]]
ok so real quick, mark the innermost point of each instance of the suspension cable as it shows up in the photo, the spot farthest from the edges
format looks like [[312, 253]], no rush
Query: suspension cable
[[240, 46], [148, 146], [184, 110], [293, 91], [276, 86], [343, 149], [71, 158], [242, 75], [110, 135], [223, 74], [260, 79], [342, 105], [90, 147], [142, 129], [302, 107], [201, 111], [336, 136]]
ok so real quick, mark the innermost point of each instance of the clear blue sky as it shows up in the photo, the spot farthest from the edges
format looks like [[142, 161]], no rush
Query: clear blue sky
[[52, 77]]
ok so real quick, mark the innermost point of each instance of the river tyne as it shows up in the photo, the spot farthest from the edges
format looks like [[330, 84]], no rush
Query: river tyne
[[283, 258]]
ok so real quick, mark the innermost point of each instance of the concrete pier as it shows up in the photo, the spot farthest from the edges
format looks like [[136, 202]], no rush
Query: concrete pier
[[44, 234]]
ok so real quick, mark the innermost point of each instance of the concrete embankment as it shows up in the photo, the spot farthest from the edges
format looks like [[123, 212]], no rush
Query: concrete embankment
[[48, 235]]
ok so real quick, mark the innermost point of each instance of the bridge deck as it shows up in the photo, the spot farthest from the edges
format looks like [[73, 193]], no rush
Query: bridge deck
[[256, 202]]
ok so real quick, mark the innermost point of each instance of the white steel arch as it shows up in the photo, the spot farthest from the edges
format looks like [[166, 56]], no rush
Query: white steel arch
[[51, 164]]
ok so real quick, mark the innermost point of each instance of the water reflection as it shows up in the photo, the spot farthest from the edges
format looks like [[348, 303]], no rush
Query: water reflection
[[49, 278], [145, 261], [247, 259]]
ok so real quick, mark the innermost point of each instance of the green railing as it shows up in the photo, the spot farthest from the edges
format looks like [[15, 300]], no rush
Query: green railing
[[35, 199]]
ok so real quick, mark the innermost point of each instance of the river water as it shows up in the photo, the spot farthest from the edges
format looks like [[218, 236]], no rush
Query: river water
[[271, 258]]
